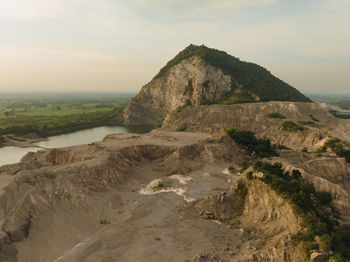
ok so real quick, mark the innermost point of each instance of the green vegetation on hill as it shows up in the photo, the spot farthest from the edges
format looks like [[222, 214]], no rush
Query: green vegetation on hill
[[252, 78], [308, 123], [319, 218], [276, 115], [290, 126], [338, 147], [247, 139]]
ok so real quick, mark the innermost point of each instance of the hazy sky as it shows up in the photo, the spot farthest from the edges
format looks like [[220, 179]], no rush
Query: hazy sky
[[97, 45]]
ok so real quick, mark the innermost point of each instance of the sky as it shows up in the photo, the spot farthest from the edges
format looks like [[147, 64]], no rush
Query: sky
[[119, 45]]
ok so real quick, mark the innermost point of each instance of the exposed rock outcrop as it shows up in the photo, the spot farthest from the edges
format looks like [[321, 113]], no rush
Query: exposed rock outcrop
[[193, 81], [201, 75], [266, 217]]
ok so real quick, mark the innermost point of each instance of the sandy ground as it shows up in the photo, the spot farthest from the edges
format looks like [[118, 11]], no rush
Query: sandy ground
[[127, 221], [144, 227], [28, 142]]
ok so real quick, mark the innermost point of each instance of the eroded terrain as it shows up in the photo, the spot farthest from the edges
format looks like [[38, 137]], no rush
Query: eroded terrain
[[162, 196]]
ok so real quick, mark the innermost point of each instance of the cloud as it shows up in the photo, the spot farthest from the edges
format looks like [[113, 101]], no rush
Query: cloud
[[121, 35], [185, 9], [30, 9]]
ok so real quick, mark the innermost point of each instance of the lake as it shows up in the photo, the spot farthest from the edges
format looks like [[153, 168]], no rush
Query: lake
[[11, 154]]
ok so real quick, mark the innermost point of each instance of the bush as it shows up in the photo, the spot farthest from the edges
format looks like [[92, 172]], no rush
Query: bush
[[325, 198], [247, 139], [276, 115], [231, 169], [326, 242], [181, 129], [281, 147], [304, 150], [337, 146], [250, 175], [291, 126]]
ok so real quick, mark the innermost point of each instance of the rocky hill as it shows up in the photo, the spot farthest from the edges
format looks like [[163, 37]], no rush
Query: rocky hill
[[201, 75]]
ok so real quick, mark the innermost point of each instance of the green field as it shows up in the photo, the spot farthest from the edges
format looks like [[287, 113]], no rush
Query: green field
[[47, 114]]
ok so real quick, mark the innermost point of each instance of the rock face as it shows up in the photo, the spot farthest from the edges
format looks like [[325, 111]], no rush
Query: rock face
[[263, 215], [327, 173], [200, 75], [193, 81]]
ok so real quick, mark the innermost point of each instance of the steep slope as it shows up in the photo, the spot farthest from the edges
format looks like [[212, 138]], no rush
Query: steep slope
[[201, 75]]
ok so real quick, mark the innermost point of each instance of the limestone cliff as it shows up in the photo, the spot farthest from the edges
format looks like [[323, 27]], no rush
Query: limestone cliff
[[200, 75], [193, 81]]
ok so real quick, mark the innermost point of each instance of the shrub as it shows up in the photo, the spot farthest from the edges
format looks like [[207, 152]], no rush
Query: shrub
[[337, 146], [231, 169], [276, 115], [181, 128], [326, 242], [281, 147], [308, 123], [291, 126], [325, 198], [304, 150], [247, 139], [250, 175]]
